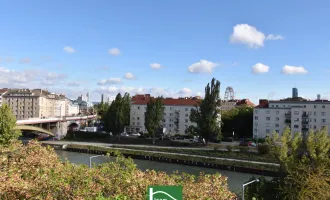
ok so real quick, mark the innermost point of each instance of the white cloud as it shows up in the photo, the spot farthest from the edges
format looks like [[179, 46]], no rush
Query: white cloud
[[55, 76], [114, 51], [109, 81], [25, 60], [73, 84], [274, 37], [185, 92], [260, 68], [155, 66], [129, 76], [68, 49], [287, 69], [203, 66], [251, 36], [28, 78], [155, 91]]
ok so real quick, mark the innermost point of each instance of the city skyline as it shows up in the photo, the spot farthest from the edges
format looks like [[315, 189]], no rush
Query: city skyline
[[165, 48]]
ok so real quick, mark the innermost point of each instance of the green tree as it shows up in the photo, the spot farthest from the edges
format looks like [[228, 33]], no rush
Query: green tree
[[116, 118], [238, 119], [306, 164], [206, 114], [191, 130], [153, 116], [101, 109], [8, 133]]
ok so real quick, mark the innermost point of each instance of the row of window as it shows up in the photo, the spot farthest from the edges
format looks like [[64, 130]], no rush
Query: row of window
[[283, 106]]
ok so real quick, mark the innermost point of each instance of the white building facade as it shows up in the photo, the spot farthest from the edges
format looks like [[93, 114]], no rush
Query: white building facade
[[176, 118], [299, 116]]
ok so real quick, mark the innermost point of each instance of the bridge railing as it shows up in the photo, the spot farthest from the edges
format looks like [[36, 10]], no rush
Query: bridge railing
[[53, 119]]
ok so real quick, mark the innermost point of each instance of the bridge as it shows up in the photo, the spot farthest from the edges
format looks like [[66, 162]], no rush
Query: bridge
[[55, 126], [33, 128]]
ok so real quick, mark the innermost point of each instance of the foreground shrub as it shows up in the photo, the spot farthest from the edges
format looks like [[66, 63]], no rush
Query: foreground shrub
[[35, 172], [243, 149], [263, 149], [229, 148]]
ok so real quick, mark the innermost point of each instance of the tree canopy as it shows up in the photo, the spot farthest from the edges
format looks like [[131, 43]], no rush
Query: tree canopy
[[207, 113], [117, 115], [8, 133], [154, 115], [306, 163], [239, 119]]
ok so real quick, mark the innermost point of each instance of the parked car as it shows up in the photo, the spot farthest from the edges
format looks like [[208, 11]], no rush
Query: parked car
[[135, 134], [124, 134]]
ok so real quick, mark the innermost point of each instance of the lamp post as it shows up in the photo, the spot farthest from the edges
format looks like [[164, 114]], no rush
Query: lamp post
[[90, 160], [248, 183], [233, 134]]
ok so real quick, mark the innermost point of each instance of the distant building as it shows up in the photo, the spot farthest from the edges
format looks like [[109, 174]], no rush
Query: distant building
[[299, 114], [2, 92], [230, 104], [176, 118], [294, 93], [102, 98]]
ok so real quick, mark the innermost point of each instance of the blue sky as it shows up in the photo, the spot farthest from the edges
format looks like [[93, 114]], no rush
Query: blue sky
[[261, 49]]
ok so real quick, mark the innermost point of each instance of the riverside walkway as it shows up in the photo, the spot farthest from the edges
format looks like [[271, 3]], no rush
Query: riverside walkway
[[126, 147]]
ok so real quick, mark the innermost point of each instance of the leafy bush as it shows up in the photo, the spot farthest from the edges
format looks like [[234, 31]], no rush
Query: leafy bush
[[263, 149], [229, 148], [243, 149], [216, 148], [35, 172]]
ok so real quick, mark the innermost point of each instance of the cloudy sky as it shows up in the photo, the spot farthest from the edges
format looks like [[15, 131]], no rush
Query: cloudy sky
[[169, 48]]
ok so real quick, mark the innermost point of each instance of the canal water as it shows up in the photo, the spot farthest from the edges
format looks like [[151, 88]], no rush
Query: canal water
[[235, 179]]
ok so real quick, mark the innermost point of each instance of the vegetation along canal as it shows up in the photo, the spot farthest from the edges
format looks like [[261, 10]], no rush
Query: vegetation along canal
[[235, 179]]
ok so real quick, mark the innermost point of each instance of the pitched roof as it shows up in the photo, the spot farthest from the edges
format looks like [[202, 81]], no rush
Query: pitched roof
[[245, 102], [144, 99], [3, 91]]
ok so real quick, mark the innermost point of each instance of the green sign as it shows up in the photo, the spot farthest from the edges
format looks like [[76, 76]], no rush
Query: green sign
[[165, 193]]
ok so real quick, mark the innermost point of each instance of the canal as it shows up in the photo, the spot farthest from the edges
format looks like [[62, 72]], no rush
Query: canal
[[235, 179]]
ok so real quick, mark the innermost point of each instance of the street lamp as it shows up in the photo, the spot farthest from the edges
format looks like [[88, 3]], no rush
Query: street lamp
[[90, 160], [233, 134], [248, 183]]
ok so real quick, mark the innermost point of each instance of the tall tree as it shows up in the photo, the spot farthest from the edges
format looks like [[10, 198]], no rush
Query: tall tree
[[239, 119], [101, 109], [115, 119], [306, 164], [207, 113], [153, 116], [8, 133], [126, 108]]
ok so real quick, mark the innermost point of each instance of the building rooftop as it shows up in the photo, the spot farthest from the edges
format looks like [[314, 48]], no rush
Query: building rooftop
[[145, 98], [3, 91]]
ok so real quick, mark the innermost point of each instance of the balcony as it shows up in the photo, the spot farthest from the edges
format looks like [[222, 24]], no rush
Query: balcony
[[288, 115], [304, 116], [304, 129], [288, 121], [304, 122]]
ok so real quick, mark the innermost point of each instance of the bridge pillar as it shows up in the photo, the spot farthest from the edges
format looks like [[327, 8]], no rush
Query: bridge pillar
[[48, 126], [40, 125]]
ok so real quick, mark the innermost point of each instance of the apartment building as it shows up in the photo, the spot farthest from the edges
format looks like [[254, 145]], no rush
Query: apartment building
[[176, 118], [296, 113], [2, 92], [230, 104], [23, 102], [71, 108], [37, 103]]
